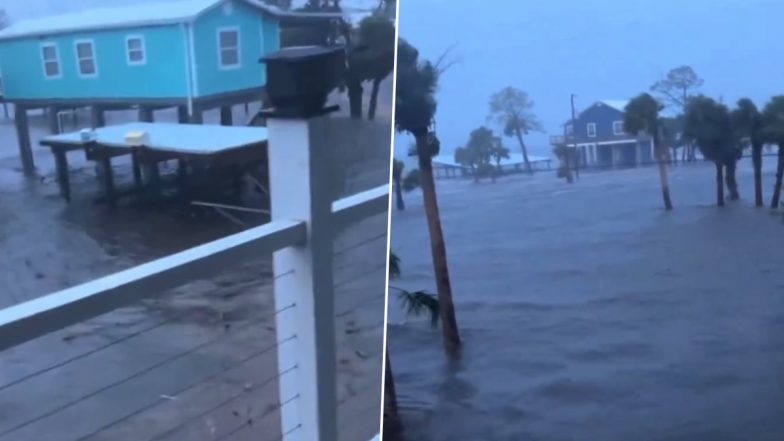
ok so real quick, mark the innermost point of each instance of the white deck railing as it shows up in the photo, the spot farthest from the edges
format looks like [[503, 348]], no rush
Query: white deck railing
[[302, 245]]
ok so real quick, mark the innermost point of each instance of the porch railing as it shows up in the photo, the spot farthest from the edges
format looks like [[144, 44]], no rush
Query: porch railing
[[300, 237]]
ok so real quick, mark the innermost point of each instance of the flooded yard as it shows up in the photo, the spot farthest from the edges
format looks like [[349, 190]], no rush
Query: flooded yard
[[587, 312]]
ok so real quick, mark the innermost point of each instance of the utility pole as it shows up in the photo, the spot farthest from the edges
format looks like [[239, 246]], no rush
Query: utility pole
[[574, 138]]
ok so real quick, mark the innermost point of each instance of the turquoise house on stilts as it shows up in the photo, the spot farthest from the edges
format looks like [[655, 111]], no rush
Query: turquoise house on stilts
[[194, 55]]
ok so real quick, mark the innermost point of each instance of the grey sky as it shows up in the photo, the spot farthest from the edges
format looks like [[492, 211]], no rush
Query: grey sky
[[598, 49]]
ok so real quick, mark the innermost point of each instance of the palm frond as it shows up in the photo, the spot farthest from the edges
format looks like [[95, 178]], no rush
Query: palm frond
[[394, 265], [420, 302]]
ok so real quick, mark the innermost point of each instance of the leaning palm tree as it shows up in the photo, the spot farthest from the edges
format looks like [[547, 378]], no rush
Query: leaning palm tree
[[747, 120], [397, 177], [773, 130], [416, 303], [641, 115], [708, 124], [415, 108]]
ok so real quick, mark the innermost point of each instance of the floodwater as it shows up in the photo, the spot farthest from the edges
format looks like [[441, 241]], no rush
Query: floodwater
[[589, 313], [195, 363]]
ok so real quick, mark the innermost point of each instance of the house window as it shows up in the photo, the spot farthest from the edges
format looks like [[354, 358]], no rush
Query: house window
[[134, 49], [618, 128], [569, 130], [229, 48], [591, 130], [51, 60], [85, 58]]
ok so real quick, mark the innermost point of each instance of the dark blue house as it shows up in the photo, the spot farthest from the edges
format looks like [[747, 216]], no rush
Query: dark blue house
[[598, 133]]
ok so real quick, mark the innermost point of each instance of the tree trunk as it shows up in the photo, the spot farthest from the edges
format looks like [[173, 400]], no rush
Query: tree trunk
[[674, 157], [437, 247], [665, 185], [401, 205], [373, 104], [774, 202], [756, 159], [392, 424], [525, 151], [719, 184], [355, 99], [731, 181]]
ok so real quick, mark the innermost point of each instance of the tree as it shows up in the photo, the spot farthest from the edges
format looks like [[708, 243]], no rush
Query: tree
[[397, 177], [773, 132], [499, 152], [709, 125], [672, 128], [511, 109], [747, 120], [376, 34], [478, 151], [642, 115], [676, 88], [415, 108]]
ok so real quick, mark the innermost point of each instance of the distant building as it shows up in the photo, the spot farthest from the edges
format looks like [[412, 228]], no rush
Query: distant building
[[598, 133], [188, 52]]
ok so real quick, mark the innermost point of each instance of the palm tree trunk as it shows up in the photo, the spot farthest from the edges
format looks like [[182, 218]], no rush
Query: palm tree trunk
[[392, 424], [665, 185], [756, 159], [719, 184], [437, 247], [774, 202], [525, 151], [355, 98], [401, 205], [373, 104], [731, 180]]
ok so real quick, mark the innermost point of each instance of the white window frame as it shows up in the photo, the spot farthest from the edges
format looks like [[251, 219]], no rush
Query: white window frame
[[590, 127], [569, 129], [56, 60], [618, 131], [79, 60], [218, 33], [143, 50]]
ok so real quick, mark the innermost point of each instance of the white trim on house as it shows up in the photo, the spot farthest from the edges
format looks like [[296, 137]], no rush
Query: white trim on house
[[186, 37], [93, 58], [221, 49], [56, 60], [2, 83], [193, 65], [589, 132], [617, 131], [142, 48], [620, 141], [569, 129]]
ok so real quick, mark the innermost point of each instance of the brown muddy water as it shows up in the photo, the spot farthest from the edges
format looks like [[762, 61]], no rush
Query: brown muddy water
[[195, 363], [589, 313]]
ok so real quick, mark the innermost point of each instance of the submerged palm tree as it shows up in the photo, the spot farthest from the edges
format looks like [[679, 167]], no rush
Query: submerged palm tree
[[747, 121], [642, 115], [415, 108], [773, 130], [709, 125]]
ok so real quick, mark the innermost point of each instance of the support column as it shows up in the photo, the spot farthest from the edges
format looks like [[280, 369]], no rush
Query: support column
[[182, 115], [97, 117], [52, 120], [226, 116], [146, 114], [23, 136], [302, 188], [197, 117]]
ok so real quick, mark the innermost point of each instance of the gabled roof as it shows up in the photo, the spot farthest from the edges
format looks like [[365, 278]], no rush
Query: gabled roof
[[618, 105], [139, 15]]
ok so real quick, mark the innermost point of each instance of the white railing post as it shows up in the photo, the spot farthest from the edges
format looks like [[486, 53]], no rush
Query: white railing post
[[302, 188]]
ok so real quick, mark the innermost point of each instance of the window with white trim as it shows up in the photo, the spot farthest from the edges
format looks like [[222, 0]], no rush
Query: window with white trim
[[85, 58], [51, 60], [591, 128], [618, 128], [229, 48], [569, 130], [135, 50]]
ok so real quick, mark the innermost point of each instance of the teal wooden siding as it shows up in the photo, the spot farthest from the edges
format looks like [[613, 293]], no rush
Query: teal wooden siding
[[163, 75], [257, 36]]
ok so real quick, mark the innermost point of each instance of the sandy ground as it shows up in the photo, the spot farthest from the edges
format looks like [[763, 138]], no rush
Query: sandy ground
[[195, 363], [590, 313]]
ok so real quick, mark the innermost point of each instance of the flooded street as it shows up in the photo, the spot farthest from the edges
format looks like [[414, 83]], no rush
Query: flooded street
[[587, 312], [194, 363]]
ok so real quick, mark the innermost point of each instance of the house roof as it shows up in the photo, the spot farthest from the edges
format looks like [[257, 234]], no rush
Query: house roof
[[127, 16], [616, 104]]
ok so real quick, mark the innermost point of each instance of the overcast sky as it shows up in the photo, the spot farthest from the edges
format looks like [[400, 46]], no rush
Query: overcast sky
[[598, 49]]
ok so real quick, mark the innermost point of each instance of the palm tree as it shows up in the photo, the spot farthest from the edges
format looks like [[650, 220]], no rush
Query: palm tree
[[499, 152], [709, 125], [747, 120], [415, 108], [773, 130], [642, 115], [511, 108], [397, 176]]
